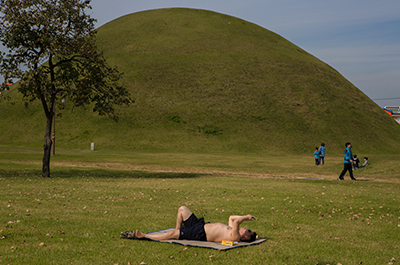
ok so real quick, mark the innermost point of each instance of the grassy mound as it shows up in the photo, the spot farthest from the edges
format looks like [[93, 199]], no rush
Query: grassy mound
[[203, 82]]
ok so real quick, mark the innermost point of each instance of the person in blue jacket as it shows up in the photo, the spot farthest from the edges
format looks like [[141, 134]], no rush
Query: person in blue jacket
[[316, 156], [322, 154], [348, 162]]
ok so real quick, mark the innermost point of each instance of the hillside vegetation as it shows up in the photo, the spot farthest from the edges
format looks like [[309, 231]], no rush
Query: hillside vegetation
[[208, 82]]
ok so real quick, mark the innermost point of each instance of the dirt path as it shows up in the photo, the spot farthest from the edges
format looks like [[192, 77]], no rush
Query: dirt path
[[202, 171]]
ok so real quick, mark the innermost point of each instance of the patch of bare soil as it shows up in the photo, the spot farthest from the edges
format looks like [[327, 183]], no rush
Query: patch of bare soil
[[205, 171]]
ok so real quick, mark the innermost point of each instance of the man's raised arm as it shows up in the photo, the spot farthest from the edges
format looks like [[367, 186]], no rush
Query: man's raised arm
[[236, 220]]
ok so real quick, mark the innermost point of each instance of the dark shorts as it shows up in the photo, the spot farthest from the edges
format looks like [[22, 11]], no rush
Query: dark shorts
[[193, 229]]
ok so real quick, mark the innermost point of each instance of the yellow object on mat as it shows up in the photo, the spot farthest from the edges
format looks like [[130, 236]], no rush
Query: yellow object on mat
[[229, 243]]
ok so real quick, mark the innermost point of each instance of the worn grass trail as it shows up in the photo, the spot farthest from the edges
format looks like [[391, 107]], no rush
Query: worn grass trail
[[279, 164]]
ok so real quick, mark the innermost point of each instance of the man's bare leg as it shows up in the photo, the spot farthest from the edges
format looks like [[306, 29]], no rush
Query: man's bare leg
[[173, 234], [183, 214]]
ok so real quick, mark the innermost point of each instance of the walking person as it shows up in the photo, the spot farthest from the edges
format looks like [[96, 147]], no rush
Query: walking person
[[348, 162]]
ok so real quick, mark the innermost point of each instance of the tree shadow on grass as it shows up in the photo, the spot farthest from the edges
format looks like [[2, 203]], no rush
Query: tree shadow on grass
[[96, 173]]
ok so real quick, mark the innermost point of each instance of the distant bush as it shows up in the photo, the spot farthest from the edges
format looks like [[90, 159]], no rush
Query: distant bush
[[175, 118], [210, 130], [258, 118]]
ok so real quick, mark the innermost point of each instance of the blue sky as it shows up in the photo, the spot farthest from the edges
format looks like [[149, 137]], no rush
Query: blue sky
[[359, 38]]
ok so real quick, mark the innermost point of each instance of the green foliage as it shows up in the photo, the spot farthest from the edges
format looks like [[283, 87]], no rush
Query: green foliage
[[52, 52]]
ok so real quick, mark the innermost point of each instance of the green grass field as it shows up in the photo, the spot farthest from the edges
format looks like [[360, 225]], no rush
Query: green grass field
[[307, 215], [225, 121]]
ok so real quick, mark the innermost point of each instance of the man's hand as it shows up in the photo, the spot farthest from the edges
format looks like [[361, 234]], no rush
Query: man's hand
[[250, 217]]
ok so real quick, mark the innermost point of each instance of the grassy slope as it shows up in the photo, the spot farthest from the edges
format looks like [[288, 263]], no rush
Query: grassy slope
[[205, 82]]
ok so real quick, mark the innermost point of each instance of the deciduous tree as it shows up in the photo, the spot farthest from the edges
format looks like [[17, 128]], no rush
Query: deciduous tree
[[52, 53]]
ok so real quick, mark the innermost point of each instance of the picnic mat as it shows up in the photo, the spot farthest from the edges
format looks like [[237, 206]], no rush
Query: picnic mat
[[194, 243]]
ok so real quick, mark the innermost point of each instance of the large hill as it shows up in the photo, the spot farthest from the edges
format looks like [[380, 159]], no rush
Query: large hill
[[208, 82]]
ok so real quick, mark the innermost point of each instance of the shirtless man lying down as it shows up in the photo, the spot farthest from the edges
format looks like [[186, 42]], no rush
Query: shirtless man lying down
[[193, 229]]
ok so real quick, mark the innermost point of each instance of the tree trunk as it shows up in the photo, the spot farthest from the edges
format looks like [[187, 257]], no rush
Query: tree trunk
[[47, 147]]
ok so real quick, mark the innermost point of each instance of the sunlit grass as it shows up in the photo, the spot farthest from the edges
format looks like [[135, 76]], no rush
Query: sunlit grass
[[307, 215], [224, 129], [205, 82], [77, 218], [382, 167]]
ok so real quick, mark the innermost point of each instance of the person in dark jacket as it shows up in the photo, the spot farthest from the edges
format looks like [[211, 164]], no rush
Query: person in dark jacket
[[356, 162]]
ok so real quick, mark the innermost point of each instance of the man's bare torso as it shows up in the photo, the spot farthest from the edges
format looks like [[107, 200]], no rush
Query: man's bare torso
[[216, 232]]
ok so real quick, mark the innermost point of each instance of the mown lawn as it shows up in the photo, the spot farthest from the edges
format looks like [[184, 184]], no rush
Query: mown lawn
[[76, 216]]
